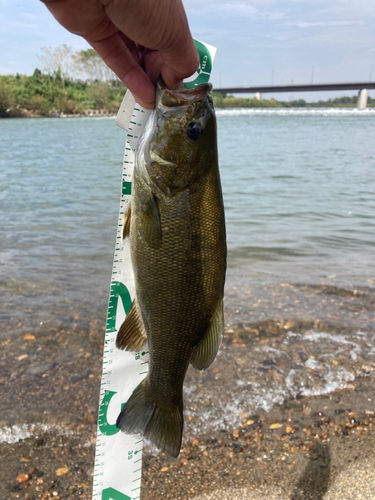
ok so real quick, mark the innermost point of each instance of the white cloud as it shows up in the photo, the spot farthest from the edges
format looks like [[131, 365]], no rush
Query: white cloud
[[236, 8], [307, 24]]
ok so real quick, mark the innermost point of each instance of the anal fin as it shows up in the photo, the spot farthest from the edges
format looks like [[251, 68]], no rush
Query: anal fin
[[131, 335], [205, 352]]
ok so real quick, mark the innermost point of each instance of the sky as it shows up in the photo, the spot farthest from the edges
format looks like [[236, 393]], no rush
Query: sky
[[257, 40]]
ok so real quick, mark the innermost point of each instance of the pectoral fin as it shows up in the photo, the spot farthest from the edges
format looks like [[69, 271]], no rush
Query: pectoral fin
[[131, 335], [205, 352], [126, 223], [150, 220]]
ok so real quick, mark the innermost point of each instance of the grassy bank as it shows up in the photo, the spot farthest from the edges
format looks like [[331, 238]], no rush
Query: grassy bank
[[43, 95], [229, 101]]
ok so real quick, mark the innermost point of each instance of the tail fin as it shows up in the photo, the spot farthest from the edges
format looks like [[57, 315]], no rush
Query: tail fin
[[162, 425]]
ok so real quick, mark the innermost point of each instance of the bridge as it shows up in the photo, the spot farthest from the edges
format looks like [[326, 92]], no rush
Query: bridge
[[362, 87]]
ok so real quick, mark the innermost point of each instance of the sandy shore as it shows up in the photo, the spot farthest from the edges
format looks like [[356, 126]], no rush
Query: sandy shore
[[304, 454], [307, 448]]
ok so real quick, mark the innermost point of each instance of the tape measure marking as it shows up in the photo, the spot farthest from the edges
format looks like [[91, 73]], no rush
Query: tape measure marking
[[118, 456]]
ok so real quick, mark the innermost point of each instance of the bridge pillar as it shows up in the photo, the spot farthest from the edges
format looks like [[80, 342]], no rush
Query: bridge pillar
[[362, 99], [258, 96]]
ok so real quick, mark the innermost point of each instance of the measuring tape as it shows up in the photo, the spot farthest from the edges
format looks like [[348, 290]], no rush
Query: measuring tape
[[118, 457]]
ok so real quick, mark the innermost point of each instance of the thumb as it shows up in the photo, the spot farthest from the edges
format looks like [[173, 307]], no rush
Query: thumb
[[179, 63]]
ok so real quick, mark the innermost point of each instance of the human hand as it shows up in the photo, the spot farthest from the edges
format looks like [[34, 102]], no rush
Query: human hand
[[137, 39]]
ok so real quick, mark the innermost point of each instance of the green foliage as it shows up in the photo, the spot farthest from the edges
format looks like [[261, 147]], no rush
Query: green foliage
[[7, 99], [229, 101], [301, 103], [218, 99], [72, 83], [98, 93], [46, 95], [38, 105], [338, 102]]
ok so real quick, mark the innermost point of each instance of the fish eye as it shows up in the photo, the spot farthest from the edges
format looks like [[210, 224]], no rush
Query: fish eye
[[193, 131]]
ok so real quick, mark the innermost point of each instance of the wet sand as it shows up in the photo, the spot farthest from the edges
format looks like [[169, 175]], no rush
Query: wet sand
[[311, 448], [308, 447]]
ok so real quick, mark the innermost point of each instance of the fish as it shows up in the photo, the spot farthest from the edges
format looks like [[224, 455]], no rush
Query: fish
[[176, 227]]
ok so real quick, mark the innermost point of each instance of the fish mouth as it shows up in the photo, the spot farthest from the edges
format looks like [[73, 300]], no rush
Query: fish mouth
[[180, 96]]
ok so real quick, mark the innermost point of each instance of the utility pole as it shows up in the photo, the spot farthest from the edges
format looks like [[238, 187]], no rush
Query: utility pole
[[312, 75]]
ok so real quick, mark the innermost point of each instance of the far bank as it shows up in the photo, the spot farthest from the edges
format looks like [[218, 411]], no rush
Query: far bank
[[43, 95]]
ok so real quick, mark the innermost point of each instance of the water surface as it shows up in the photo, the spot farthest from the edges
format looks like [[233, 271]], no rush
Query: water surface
[[299, 193]]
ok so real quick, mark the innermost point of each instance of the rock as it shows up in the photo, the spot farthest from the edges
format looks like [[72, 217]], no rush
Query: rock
[[62, 471], [28, 336], [21, 478], [40, 369], [276, 426]]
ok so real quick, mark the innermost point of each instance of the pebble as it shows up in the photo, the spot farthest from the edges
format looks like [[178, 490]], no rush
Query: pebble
[[29, 336], [21, 478], [40, 368], [62, 471]]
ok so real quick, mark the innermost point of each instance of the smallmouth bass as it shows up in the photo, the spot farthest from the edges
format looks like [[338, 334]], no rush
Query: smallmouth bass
[[176, 228]]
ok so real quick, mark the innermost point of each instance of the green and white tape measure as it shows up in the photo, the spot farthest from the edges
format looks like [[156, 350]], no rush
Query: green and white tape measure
[[118, 458]]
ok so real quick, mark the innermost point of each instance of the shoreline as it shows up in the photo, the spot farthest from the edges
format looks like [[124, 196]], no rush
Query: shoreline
[[306, 449], [104, 113], [298, 449], [89, 114]]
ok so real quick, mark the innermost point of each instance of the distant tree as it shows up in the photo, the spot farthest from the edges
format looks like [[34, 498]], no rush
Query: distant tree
[[58, 62], [99, 93], [7, 99], [91, 66], [300, 103], [39, 105]]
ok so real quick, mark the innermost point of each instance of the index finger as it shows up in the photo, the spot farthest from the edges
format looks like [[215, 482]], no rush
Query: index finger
[[121, 56]]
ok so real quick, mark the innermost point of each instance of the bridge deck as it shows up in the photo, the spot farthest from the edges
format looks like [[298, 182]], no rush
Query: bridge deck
[[296, 88]]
